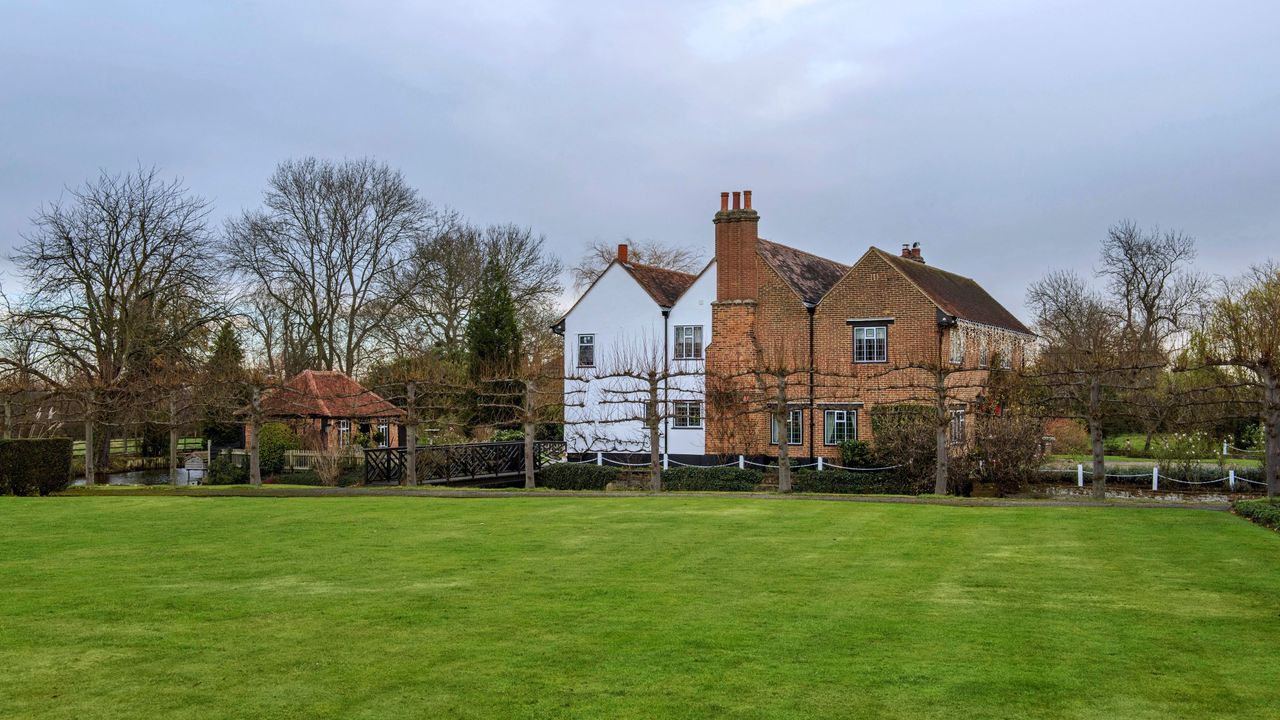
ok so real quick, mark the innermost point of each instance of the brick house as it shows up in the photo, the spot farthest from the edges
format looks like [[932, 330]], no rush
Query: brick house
[[853, 331], [862, 327], [327, 410]]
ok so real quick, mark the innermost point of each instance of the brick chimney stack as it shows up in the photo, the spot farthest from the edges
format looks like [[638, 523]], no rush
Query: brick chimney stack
[[912, 252], [622, 253], [737, 230]]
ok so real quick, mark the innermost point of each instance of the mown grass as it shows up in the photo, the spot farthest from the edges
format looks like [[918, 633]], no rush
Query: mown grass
[[181, 607]]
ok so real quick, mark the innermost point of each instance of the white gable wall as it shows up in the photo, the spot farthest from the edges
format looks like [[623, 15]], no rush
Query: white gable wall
[[629, 331]]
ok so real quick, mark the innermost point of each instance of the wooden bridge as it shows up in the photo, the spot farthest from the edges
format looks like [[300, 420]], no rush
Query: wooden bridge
[[472, 463]]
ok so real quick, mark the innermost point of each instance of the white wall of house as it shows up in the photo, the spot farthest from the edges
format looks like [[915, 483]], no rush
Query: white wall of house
[[602, 412], [693, 309]]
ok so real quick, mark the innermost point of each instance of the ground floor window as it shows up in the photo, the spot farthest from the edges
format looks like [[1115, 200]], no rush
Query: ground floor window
[[839, 426], [686, 414], [384, 434], [795, 428], [956, 431], [344, 433]]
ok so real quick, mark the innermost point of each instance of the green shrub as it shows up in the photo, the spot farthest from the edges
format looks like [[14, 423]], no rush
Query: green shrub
[[1263, 512], [856, 453], [225, 471], [718, 479], [576, 476], [35, 465], [273, 440], [846, 481]]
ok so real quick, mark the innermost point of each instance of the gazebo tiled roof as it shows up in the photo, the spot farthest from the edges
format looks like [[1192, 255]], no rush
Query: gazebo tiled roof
[[326, 394]]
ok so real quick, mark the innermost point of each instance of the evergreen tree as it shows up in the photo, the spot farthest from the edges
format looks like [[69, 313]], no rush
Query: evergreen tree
[[224, 387], [493, 346]]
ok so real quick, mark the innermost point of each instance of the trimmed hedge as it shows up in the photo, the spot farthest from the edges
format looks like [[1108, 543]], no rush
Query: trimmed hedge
[[575, 476], [845, 481], [224, 471], [1264, 512], [30, 466], [716, 479]]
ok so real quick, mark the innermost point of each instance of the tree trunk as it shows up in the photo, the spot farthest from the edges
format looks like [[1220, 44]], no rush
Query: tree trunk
[[530, 466], [655, 435], [255, 431], [1271, 410], [90, 453], [173, 442], [411, 438], [8, 418], [1095, 439], [941, 468]]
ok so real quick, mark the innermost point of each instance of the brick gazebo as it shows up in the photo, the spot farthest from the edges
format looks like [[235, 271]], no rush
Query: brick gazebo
[[329, 408]]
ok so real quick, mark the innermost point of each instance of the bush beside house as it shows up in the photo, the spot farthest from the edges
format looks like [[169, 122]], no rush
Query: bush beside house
[[713, 479], [574, 476]]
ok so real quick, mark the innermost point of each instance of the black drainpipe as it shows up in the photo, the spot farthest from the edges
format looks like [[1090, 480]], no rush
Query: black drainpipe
[[812, 402], [666, 372]]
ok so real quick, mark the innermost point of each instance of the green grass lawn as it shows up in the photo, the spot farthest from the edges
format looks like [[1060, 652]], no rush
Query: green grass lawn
[[180, 607]]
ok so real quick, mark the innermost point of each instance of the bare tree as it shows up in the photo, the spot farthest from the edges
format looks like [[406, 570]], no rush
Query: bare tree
[[1087, 360], [599, 254], [1243, 335], [326, 245], [120, 280], [447, 267]]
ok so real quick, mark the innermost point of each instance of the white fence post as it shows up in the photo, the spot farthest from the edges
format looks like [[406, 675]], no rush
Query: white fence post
[[1155, 478], [1231, 477], [1224, 448], [666, 462], [819, 463], [742, 462], [1079, 475], [599, 458]]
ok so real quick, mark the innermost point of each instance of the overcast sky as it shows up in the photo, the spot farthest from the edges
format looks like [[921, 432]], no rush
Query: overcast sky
[[1003, 136]]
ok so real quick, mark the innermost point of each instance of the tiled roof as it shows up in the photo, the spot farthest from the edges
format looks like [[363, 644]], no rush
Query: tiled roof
[[955, 294], [326, 394], [664, 286], [809, 275]]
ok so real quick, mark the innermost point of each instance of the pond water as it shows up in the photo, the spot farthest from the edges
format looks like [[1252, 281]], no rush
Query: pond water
[[143, 477]]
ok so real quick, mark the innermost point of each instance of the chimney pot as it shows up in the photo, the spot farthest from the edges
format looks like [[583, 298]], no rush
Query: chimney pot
[[906, 250], [622, 252], [746, 199], [737, 200], [724, 201]]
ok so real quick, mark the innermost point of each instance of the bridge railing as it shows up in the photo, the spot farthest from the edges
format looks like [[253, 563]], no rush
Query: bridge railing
[[456, 463]]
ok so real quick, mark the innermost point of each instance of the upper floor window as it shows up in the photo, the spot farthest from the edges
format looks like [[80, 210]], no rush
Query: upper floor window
[[688, 342], [871, 344], [839, 426], [795, 428], [957, 346], [586, 351], [686, 414], [984, 352], [1006, 356]]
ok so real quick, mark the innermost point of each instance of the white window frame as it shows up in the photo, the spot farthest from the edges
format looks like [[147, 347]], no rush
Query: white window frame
[[1006, 356], [591, 342], [984, 352], [681, 420], [384, 429], [878, 337], [795, 427], [850, 421], [687, 342], [957, 346], [344, 433]]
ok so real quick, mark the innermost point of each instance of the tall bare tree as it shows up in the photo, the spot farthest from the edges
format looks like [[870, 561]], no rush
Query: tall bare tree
[[326, 245], [121, 280]]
